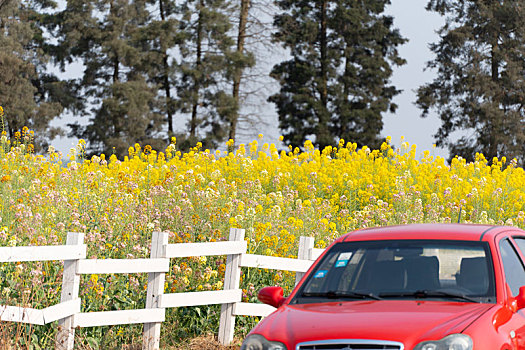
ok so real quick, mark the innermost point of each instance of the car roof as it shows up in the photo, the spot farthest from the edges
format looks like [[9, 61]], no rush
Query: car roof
[[463, 232]]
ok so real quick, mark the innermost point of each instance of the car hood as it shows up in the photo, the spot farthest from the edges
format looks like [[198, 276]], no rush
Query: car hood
[[406, 321]]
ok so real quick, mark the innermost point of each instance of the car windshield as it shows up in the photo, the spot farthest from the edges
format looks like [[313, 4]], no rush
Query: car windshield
[[402, 269]]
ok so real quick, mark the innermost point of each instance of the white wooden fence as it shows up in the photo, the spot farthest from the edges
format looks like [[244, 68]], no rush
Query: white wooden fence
[[68, 314]]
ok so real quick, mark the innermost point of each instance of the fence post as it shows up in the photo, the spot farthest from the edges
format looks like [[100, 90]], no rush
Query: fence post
[[65, 338], [151, 334], [306, 246], [232, 276]]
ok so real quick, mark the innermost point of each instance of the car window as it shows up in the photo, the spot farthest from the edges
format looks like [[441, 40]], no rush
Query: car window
[[403, 268], [514, 271], [520, 241]]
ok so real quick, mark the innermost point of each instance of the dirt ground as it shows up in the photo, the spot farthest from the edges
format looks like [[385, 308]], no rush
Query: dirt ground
[[208, 342]]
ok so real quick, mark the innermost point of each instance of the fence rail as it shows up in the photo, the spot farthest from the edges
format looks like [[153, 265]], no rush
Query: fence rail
[[68, 312], [274, 263], [103, 266], [42, 253]]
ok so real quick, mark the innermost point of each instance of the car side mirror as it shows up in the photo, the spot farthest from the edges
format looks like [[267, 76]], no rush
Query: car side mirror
[[520, 298], [272, 296]]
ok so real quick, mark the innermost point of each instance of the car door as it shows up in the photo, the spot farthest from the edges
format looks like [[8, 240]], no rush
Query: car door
[[514, 272]]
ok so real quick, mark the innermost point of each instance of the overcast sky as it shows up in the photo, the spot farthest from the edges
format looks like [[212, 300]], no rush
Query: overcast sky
[[419, 26], [414, 23]]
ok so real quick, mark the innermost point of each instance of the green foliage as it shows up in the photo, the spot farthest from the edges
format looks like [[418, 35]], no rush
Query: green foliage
[[111, 38], [335, 86], [207, 58], [197, 320], [479, 88], [27, 92], [125, 117]]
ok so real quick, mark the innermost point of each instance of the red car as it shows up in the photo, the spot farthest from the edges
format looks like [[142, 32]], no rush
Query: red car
[[415, 287]]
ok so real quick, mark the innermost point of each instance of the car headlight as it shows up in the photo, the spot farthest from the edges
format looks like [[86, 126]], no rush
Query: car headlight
[[450, 342], [258, 342]]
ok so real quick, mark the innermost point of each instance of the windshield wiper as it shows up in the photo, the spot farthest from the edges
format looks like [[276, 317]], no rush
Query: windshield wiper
[[341, 295], [429, 294]]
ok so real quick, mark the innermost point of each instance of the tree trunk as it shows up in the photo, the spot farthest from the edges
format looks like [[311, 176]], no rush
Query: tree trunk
[[198, 64], [346, 92], [241, 37], [323, 48], [165, 78], [494, 62], [116, 65], [493, 146], [322, 136], [116, 59]]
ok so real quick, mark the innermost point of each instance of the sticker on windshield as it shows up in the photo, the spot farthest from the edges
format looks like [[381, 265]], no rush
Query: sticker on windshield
[[341, 263], [320, 274], [345, 256]]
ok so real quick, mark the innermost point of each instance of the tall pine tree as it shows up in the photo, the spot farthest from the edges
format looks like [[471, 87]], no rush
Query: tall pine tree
[[157, 37], [336, 85], [30, 96], [479, 90], [242, 59], [206, 67], [107, 37]]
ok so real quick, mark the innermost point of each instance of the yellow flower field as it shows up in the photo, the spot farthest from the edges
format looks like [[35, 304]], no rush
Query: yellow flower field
[[276, 195]]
